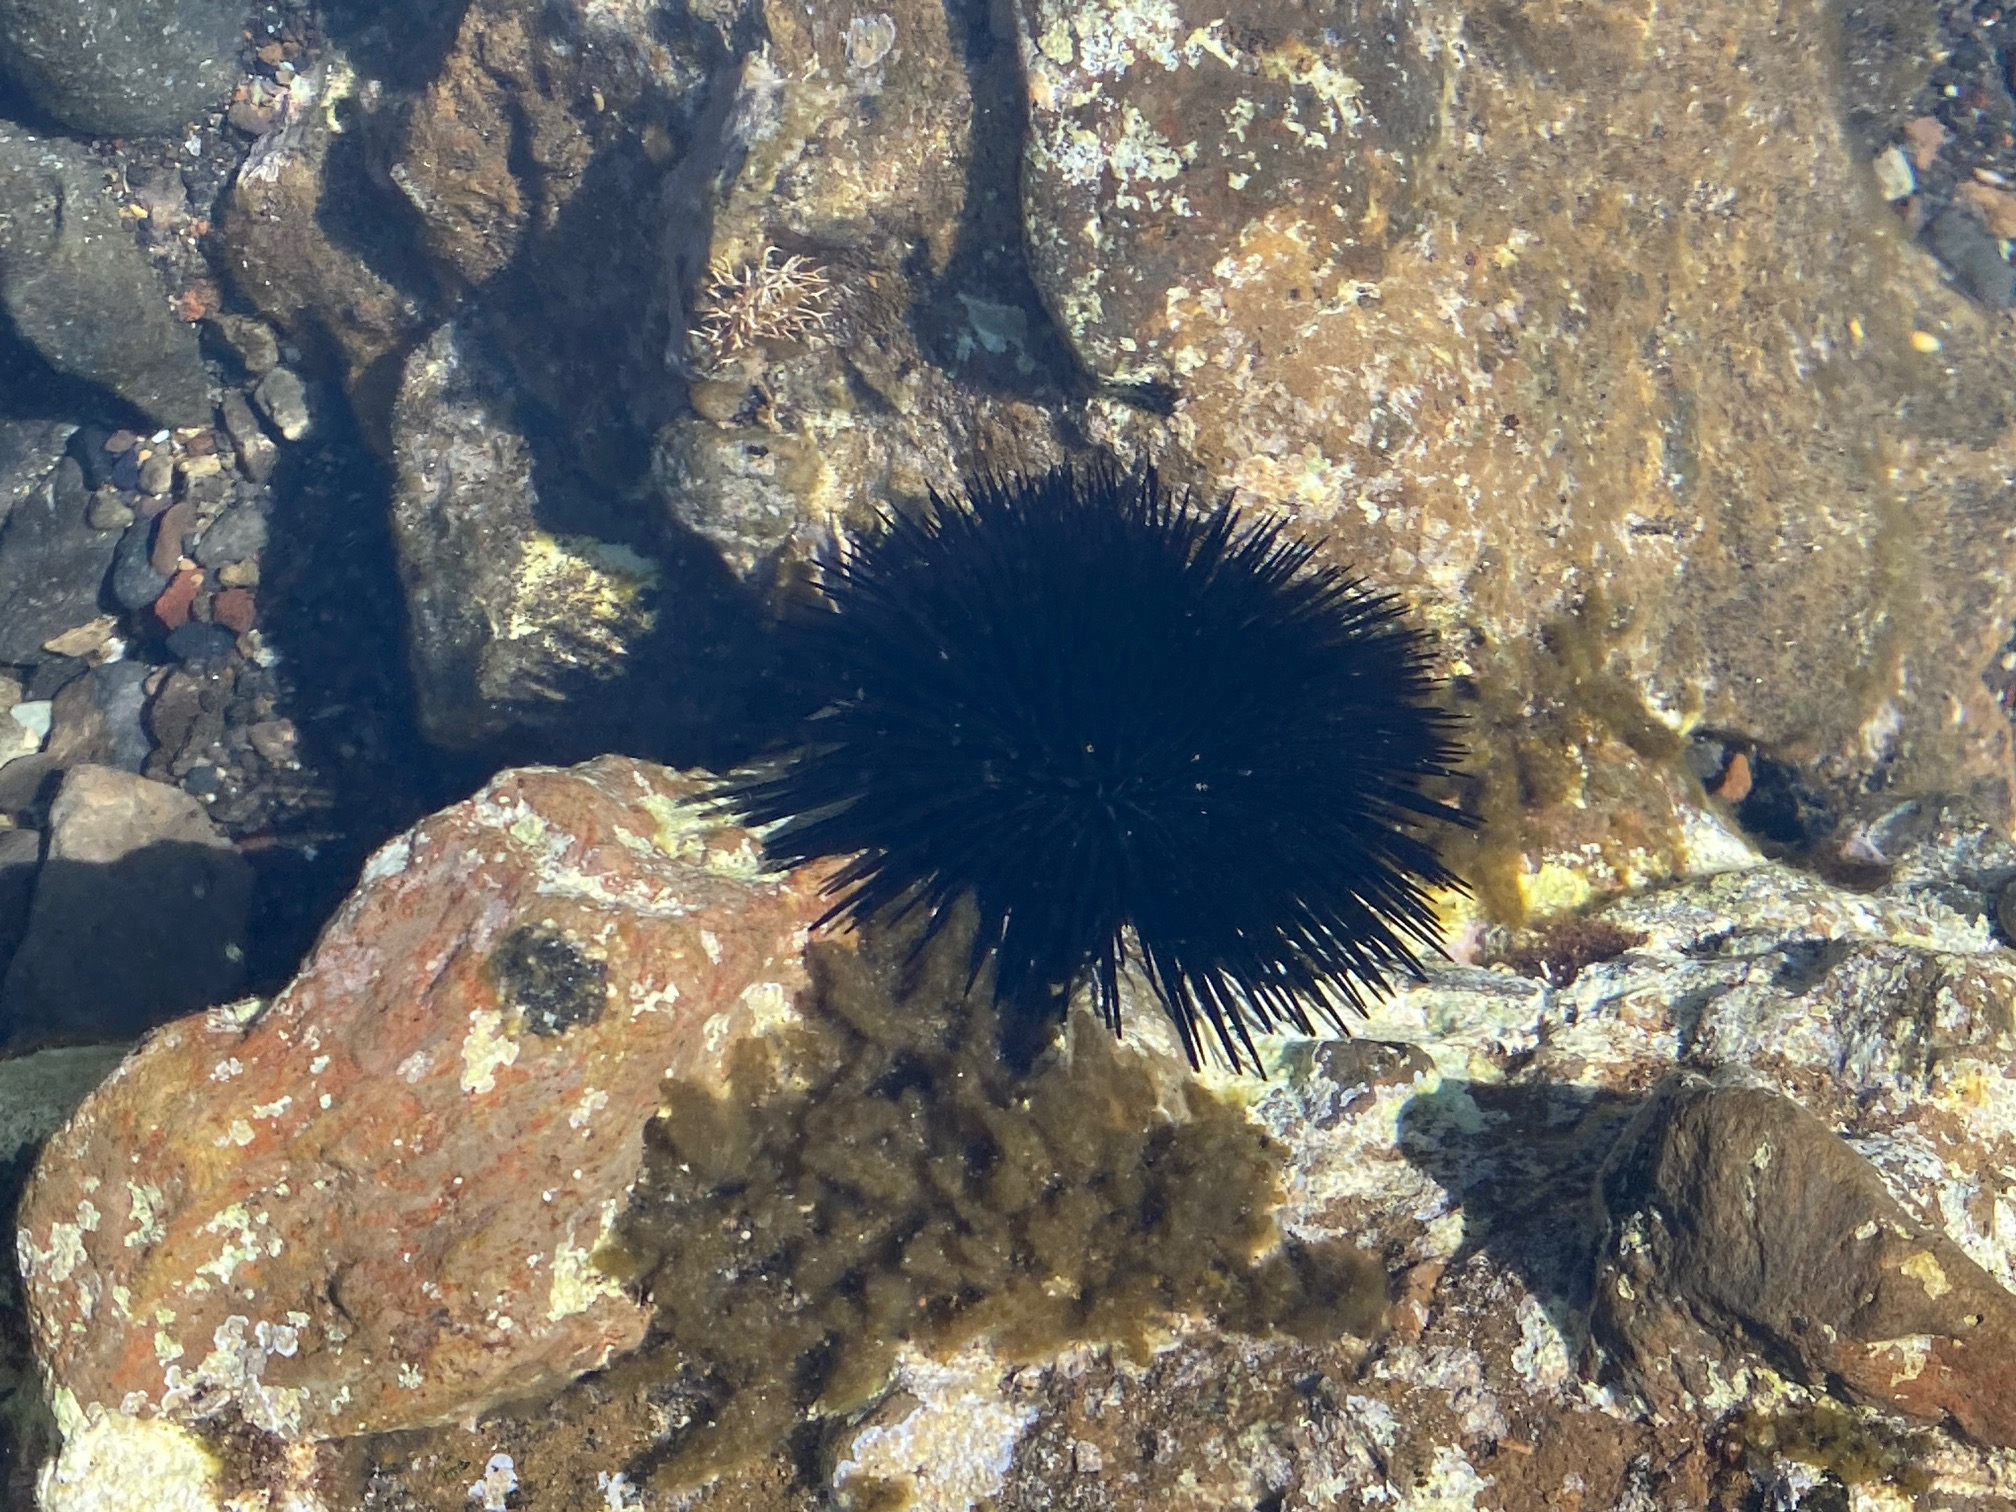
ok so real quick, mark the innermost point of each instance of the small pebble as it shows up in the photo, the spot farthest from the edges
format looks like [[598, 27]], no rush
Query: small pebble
[[251, 119], [34, 716], [203, 780], [239, 574], [274, 740], [86, 640], [125, 473], [121, 441], [193, 468], [251, 341], [169, 532], [157, 474], [120, 690], [1894, 177], [202, 444], [108, 510], [235, 536]]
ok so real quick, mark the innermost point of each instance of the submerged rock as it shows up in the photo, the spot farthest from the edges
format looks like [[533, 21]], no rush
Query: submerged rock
[[139, 913], [122, 67], [376, 1202], [78, 288]]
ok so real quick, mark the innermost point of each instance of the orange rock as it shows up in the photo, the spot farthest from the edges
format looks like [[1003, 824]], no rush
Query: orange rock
[[1736, 780], [1997, 207], [376, 1203], [235, 609], [172, 608], [1924, 136]]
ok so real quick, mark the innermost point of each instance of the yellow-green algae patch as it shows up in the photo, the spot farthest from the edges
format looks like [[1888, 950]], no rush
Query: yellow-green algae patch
[[873, 1177], [1855, 1448]]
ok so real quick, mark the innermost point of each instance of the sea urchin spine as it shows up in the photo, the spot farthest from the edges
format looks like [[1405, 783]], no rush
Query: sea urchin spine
[[1121, 721]]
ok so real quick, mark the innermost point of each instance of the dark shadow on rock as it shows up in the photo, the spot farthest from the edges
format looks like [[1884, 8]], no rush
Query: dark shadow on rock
[[28, 1432], [330, 605], [1522, 1160], [985, 297], [112, 950], [30, 389], [402, 42]]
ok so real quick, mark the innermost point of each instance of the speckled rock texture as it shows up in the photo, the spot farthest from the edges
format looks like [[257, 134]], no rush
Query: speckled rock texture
[[373, 1202], [77, 287], [122, 67], [1736, 1205], [1698, 1207], [348, 300], [1646, 401], [1164, 140], [507, 619]]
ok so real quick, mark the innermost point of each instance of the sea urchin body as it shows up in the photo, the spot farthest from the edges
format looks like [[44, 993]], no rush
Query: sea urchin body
[[1124, 723]]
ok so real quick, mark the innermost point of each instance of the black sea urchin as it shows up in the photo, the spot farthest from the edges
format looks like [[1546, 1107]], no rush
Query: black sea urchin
[[1104, 711]]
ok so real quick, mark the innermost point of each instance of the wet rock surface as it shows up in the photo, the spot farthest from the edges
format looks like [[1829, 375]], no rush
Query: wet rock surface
[[122, 67], [51, 565], [585, 939], [1654, 357], [77, 289], [1694, 1222], [139, 915], [1736, 1207], [1152, 136]]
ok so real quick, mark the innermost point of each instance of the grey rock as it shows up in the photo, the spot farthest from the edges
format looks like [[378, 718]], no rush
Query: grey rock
[[20, 856], [283, 399], [465, 521], [135, 583], [108, 510], [238, 535], [1973, 257], [201, 645], [122, 67], [251, 341], [78, 287], [256, 452], [51, 566], [28, 449], [139, 914], [120, 689]]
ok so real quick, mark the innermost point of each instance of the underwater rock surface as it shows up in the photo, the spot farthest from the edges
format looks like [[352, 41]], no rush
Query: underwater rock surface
[[1670, 1202], [372, 1203], [79, 291]]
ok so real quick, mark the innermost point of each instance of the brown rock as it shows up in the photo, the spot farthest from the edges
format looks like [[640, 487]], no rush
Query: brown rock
[[1996, 207], [375, 1204], [1739, 1219], [175, 523], [343, 300], [235, 609]]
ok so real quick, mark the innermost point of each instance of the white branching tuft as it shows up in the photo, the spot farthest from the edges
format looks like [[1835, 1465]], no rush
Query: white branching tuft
[[774, 298]]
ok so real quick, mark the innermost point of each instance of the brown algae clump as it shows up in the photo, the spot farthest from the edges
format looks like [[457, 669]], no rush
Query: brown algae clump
[[875, 1176]]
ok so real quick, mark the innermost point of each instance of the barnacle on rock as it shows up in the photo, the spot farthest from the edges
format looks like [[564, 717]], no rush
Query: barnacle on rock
[[774, 298]]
